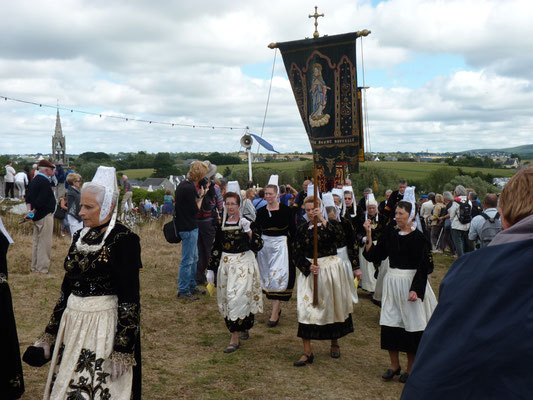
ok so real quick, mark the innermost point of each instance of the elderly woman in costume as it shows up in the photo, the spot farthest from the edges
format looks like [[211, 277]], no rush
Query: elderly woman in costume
[[346, 246], [408, 300], [332, 318], [94, 328], [11, 379], [233, 260], [276, 224], [370, 270]]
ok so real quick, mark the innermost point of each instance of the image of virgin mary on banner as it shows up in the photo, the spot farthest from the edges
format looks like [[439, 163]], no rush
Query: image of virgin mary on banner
[[323, 78]]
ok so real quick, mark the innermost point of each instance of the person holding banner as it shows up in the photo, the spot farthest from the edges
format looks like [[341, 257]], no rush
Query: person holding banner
[[276, 223], [239, 296], [331, 319], [408, 300]]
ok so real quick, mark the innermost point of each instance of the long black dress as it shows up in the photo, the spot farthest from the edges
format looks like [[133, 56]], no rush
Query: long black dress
[[405, 252], [113, 270], [275, 224], [11, 379]]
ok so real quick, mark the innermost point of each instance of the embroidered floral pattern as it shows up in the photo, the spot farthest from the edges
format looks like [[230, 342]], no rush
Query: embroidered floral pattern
[[91, 384]]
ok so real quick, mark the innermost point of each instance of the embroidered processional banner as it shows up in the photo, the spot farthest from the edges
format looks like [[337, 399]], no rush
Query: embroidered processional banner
[[323, 77]]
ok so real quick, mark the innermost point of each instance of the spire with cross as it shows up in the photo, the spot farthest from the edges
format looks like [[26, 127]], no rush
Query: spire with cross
[[315, 16]]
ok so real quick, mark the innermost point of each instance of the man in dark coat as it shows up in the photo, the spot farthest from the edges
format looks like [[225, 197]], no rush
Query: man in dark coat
[[41, 204], [478, 343]]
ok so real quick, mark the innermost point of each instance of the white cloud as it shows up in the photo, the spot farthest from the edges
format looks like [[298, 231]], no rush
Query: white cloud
[[183, 62]]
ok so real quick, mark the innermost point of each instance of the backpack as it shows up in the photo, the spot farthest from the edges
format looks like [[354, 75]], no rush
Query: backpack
[[476, 209], [489, 229], [465, 212]]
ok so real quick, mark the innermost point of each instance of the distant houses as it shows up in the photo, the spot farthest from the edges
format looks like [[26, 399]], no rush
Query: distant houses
[[511, 163], [152, 184]]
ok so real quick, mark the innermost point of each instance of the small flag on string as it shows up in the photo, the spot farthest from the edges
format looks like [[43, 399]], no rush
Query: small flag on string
[[264, 143]]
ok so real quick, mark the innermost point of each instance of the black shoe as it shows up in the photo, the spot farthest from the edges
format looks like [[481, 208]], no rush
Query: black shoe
[[302, 363], [198, 291], [376, 302], [245, 335], [334, 354], [187, 296], [404, 377], [387, 376], [272, 324]]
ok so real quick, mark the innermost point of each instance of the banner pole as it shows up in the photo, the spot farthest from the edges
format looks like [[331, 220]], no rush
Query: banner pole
[[315, 237]]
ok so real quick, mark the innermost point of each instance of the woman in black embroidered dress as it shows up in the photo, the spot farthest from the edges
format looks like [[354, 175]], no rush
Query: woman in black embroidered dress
[[408, 301], [95, 323], [332, 318], [239, 296], [276, 223], [11, 379], [347, 248]]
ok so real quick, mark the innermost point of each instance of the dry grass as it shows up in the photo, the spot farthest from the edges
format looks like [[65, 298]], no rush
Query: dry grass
[[182, 343]]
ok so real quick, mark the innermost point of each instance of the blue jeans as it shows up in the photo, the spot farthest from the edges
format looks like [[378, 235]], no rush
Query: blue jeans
[[189, 258], [461, 242]]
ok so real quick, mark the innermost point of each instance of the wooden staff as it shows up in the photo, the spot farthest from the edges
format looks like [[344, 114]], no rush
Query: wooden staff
[[315, 237]]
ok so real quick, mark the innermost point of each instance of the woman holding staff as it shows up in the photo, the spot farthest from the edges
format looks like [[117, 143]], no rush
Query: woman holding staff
[[276, 224], [331, 318], [233, 260], [408, 300]]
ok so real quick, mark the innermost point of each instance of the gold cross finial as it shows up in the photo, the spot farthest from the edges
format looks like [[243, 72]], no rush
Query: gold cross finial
[[315, 16]]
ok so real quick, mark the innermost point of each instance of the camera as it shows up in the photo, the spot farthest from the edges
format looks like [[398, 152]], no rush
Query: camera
[[203, 183]]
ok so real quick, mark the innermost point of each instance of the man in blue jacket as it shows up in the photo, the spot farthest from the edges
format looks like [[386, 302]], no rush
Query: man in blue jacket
[[41, 204], [479, 341]]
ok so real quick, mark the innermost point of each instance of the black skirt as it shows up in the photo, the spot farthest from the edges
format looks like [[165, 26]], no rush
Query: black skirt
[[326, 332], [398, 339], [11, 379], [241, 324]]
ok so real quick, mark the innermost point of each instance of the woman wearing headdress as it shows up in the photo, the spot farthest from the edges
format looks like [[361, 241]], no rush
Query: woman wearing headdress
[[370, 270], [11, 379], [276, 223], [408, 300], [353, 211], [233, 260], [95, 324], [331, 319], [347, 248]]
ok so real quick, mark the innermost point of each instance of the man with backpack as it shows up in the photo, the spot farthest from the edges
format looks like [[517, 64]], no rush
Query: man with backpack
[[461, 216], [488, 224]]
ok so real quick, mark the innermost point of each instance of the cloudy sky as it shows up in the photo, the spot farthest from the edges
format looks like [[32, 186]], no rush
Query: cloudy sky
[[444, 75]]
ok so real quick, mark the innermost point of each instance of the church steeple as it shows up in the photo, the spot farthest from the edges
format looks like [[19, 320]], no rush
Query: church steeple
[[58, 143]]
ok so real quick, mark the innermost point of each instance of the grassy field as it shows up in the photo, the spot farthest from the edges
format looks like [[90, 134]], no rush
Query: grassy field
[[138, 173], [407, 170], [182, 343]]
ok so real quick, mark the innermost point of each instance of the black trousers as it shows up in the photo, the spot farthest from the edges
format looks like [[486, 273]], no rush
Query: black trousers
[[10, 188], [206, 236]]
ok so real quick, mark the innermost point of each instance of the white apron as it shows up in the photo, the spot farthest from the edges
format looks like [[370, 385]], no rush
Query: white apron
[[85, 338], [368, 282], [342, 253], [273, 261], [335, 302], [396, 310], [238, 287]]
